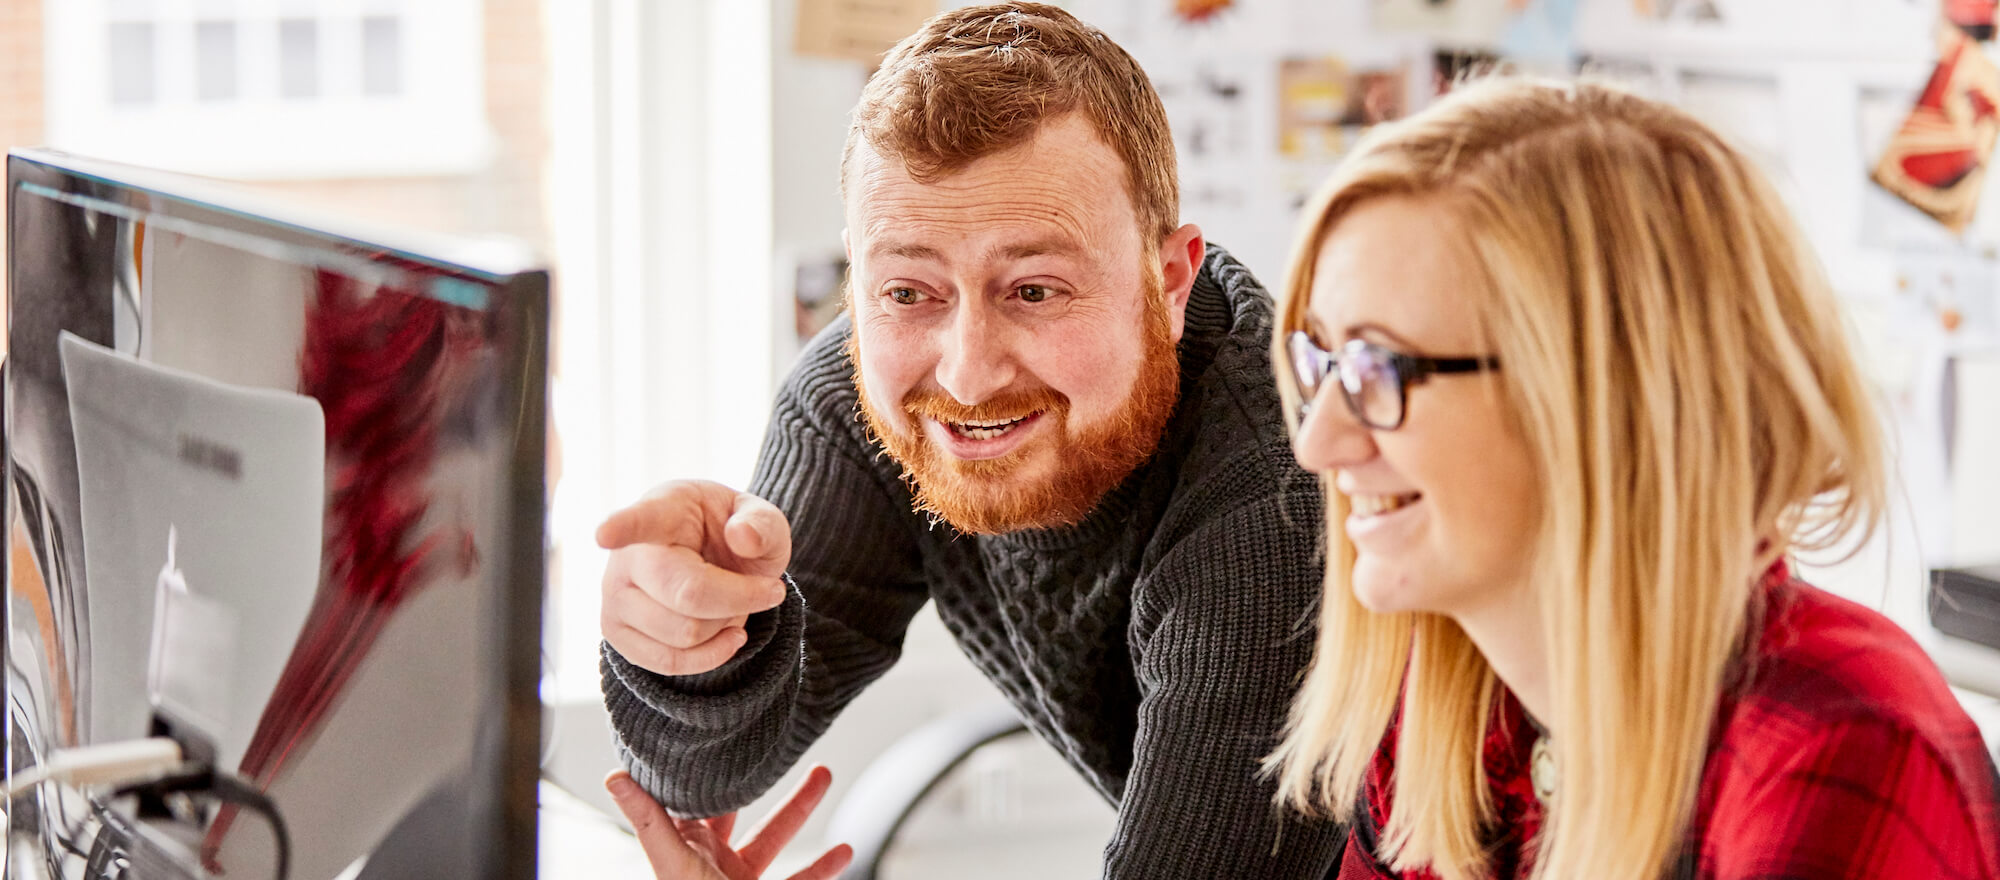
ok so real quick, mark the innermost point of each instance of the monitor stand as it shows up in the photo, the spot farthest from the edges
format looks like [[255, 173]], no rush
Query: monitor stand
[[1965, 603]]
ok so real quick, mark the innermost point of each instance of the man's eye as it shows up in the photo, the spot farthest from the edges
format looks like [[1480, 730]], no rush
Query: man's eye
[[905, 296], [1032, 293]]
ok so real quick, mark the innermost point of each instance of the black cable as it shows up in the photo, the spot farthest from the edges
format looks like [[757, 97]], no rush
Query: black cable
[[224, 787]]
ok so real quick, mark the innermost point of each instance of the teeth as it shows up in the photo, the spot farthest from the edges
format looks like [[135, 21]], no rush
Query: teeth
[[985, 430], [1376, 505]]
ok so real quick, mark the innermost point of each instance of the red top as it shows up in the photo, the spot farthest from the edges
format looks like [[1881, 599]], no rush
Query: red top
[[1842, 756]]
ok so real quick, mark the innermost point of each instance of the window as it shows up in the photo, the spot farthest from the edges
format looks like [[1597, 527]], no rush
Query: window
[[298, 58], [215, 54], [271, 89]]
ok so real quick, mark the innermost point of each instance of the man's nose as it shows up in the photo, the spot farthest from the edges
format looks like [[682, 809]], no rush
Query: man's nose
[[1331, 437], [976, 358]]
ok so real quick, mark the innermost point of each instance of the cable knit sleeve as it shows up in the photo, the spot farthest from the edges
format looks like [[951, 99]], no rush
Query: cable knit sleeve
[[1221, 630]]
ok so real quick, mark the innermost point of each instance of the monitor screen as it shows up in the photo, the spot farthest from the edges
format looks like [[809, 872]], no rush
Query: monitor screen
[[275, 488]]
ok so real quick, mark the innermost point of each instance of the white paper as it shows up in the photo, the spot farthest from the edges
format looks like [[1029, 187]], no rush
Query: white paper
[[238, 476]]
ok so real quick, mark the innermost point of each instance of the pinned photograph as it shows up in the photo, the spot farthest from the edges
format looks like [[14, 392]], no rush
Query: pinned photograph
[[856, 30], [1461, 22], [1321, 99], [1640, 75], [818, 293], [1937, 159], [1200, 11], [1376, 96], [1542, 34], [1312, 100], [1679, 10], [1452, 67], [1207, 105]]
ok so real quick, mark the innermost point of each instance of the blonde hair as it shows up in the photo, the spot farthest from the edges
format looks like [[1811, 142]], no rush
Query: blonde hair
[[1678, 368]]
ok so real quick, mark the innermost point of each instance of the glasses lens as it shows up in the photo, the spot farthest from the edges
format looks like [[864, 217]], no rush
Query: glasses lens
[[1308, 367], [1374, 390]]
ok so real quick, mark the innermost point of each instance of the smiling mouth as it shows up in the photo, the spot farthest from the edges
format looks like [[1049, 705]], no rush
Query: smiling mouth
[[987, 429], [1377, 505]]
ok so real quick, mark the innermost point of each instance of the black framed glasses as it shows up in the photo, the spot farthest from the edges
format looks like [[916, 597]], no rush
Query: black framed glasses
[[1374, 380]]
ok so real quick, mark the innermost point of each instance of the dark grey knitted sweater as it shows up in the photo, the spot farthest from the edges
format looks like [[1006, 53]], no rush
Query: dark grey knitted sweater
[[1155, 645]]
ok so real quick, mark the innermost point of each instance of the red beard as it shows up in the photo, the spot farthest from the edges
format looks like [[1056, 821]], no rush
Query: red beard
[[996, 496]]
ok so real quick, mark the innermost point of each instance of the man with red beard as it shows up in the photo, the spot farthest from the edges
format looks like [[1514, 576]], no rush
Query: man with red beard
[[1086, 469]]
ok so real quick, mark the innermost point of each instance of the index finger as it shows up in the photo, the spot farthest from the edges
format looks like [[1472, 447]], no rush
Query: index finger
[[784, 822], [673, 513], [736, 530]]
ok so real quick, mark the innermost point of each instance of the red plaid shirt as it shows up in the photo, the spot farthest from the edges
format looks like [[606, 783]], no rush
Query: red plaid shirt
[[1842, 756]]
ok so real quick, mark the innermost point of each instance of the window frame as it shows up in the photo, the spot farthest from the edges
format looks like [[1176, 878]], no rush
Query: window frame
[[435, 126]]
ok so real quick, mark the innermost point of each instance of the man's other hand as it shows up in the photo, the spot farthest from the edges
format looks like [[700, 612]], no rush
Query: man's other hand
[[689, 564], [698, 849]]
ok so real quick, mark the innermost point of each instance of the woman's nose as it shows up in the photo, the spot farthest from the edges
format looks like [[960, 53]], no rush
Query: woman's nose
[[1330, 437]]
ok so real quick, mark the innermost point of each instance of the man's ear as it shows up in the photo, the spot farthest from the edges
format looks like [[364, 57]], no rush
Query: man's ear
[[1181, 254]]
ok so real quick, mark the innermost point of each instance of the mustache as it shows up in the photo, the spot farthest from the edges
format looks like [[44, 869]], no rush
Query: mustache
[[934, 403]]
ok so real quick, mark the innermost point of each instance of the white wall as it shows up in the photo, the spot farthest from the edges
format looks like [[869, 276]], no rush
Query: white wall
[[667, 339], [812, 101]]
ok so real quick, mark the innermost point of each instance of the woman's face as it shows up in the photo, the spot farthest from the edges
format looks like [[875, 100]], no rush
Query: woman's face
[[1443, 509]]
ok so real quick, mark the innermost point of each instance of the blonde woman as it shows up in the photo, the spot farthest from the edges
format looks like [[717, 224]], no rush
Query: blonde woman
[[1577, 391]]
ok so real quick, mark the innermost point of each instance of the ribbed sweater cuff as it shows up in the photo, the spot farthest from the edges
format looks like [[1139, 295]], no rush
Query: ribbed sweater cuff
[[696, 741]]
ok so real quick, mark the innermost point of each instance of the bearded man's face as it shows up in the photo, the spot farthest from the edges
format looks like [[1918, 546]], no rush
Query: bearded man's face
[[1014, 337]]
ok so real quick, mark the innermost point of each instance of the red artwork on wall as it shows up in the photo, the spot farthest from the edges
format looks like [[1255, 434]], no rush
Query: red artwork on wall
[[1975, 17], [1199, 11], [1937, 159]]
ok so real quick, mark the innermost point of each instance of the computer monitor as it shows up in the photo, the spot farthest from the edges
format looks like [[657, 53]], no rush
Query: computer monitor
[[275, 488]]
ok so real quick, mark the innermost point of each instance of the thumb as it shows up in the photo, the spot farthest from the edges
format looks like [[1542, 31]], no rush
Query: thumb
[[759, 535]]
